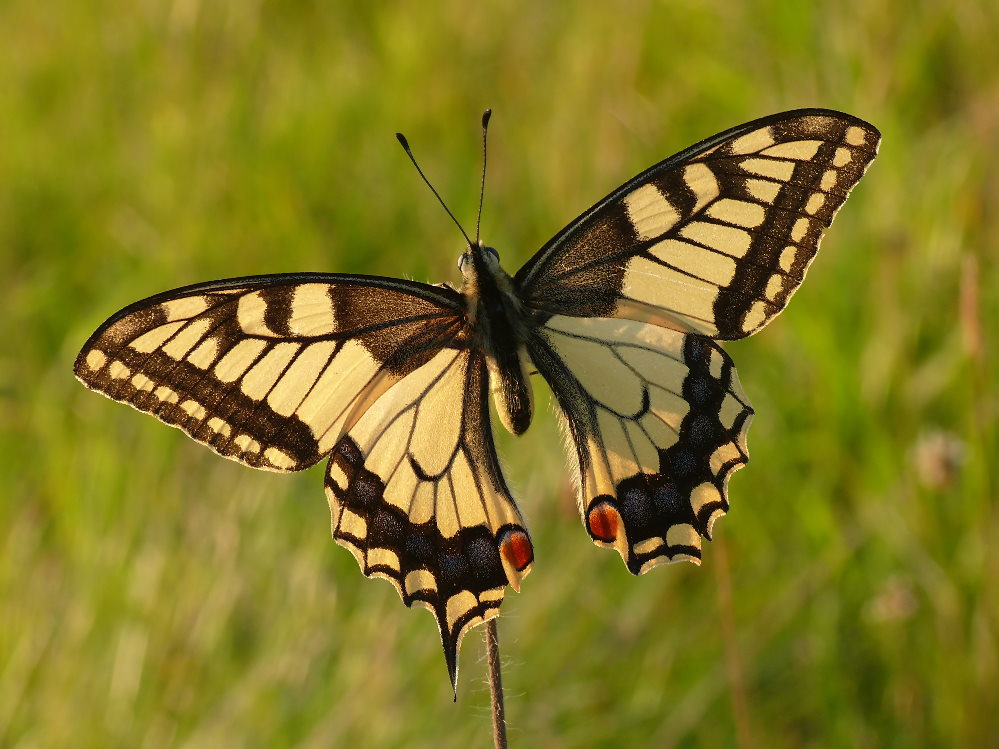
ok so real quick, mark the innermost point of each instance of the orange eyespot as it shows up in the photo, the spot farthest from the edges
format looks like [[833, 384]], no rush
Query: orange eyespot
[[604, 521], [516, 549]]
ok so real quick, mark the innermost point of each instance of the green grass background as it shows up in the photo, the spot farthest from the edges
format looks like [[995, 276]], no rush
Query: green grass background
[[155, 595]]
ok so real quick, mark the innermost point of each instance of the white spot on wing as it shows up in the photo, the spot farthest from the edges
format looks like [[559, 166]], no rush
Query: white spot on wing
[[763, 190], [799, 150], [727, 239], [683, 534], [711, 266], [702, 181], [95, 359], [800, 229], [730, 410], [250, 313], [193, 409], [153, 339], [842, 157], [420, 580], [278, 458], [218, 425], [752, 142], [205, 354], [312, 310], [458, 605], [238, 359], [756, 316], [815, 202], [118, 371], [186, 338], [773, 168], [185, 308], [141, 382], [774, 287], [649, 545], [338, 475], [787, 258], [300, 378], [704, 494], [738, 212], [247, 444], [856, 136], [716, 363], [650, 212], [379, 557], [725, 454], [166, 394], [353, 524], [259, 380]]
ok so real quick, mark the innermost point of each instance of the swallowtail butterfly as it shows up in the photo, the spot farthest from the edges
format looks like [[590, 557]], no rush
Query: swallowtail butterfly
[[621, 313]]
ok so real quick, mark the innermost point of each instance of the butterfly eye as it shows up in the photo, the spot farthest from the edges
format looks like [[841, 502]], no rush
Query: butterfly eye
[[492, 252]]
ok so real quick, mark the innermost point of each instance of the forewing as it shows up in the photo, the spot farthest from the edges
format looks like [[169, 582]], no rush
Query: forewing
[[417, 496], [713, 240], [269, 370], [659, 423]]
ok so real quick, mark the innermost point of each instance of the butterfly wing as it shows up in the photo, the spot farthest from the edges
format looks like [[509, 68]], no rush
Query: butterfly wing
[[278, 371], [416, 494], [659, 422], [713, 240], [629, 298], [268, 370]]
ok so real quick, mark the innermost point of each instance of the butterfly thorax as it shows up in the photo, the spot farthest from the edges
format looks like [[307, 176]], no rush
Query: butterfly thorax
[[497, 318]]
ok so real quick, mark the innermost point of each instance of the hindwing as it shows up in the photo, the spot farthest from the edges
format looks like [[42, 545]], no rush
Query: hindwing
[[416, 494], [659, 423], [713, 240]]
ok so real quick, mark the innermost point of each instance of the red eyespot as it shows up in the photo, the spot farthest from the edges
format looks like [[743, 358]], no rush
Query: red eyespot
[[516, 549], [604, 521]]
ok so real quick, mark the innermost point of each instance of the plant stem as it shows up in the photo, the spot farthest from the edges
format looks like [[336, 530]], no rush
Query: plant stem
[[496, 684]]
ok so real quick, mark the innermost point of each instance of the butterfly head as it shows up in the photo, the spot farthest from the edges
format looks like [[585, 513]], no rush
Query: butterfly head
[[477, 259], [480, 267]]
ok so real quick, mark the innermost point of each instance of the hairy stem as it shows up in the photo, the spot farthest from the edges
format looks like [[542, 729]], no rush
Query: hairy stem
[[496, 684]]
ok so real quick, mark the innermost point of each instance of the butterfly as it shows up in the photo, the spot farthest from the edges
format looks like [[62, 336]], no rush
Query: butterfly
[[621, 314]]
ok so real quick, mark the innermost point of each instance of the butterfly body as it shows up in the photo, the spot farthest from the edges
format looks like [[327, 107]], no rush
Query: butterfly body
[[498, 322], [620, 313]]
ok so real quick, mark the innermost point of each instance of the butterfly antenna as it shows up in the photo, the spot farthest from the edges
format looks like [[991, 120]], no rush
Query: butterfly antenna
[[482, 187], [405, 146]]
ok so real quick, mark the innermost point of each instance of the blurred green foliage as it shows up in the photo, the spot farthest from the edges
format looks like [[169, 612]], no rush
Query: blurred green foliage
[[156, 595]]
